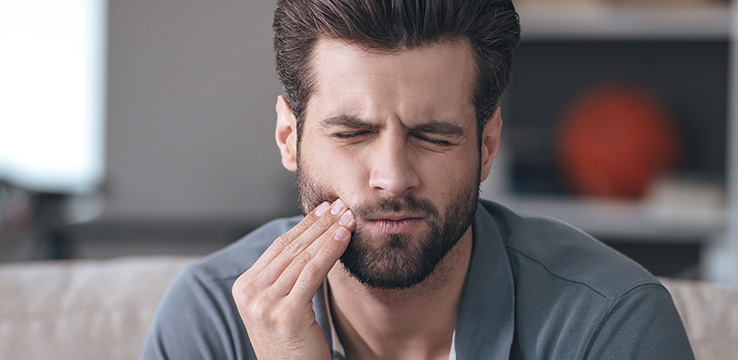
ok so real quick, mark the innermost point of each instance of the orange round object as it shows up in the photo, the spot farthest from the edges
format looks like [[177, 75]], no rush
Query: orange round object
[[614, 141]]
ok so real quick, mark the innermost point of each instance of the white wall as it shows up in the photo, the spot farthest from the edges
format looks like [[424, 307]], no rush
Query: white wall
[[191, 113]]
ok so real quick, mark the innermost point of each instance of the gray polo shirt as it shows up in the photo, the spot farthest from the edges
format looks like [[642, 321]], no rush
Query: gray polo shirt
[[536, 289]]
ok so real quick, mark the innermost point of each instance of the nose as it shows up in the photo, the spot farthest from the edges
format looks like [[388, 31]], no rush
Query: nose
[[393, 171]]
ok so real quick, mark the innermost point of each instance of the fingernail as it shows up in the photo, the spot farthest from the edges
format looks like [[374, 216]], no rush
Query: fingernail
[[321, 209], [341, 234], [345, 219], [337, 207]]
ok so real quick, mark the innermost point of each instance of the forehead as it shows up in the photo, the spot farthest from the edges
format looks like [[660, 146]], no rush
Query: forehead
[[430, 81]]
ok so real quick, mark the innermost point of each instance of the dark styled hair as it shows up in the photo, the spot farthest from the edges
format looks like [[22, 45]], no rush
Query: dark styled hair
[[491, 26]]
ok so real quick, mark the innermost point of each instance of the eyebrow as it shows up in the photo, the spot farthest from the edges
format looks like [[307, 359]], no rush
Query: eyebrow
[[430, 127], [439, 128], [346, 121]]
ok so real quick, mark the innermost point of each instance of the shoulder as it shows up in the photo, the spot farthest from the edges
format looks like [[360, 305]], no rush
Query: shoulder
[[233, 260], [197, 316], [577, 298], [545, 249], [207, 283], [216, 272]]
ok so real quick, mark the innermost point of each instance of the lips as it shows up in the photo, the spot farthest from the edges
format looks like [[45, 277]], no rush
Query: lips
[[395, 224]]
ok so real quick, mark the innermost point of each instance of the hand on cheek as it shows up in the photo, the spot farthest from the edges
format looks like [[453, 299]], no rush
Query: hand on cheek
[[274, 297]]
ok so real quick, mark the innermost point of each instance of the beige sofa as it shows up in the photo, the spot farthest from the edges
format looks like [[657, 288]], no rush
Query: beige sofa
[[101, 309]]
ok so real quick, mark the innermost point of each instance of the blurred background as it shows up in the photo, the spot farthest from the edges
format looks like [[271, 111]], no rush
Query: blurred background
[[146, 127]]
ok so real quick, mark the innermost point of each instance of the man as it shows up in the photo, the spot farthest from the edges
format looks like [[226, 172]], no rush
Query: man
[[391, 121]]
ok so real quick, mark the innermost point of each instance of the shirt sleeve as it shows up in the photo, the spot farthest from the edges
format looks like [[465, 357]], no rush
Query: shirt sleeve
[[641, 324], [197, 319]]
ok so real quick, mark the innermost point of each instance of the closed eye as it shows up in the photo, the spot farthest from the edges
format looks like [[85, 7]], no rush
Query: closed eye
[[433, 141], [351, 135]]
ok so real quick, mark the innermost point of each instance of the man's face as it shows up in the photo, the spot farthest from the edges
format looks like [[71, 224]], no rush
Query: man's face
[[394, 136]]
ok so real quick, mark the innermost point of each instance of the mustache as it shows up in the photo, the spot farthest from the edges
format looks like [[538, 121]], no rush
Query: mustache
[[311, 196], [381, 207]]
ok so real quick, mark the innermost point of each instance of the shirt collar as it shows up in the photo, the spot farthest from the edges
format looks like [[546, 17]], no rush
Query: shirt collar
[[337, 347], [486, 322]]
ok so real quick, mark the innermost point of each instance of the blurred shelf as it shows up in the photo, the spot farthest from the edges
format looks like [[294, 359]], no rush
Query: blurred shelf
[[626, 221], [611, 22]]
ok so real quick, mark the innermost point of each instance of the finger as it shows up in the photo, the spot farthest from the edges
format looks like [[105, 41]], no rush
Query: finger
[[316, 270], [287, 277], [266, 271], [297, 247], [284, 240], [313, 264]]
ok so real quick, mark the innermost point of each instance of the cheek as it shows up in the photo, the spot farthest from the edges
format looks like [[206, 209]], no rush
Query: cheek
[[443, 182], [451, 167], [335, 170], [444, 178]]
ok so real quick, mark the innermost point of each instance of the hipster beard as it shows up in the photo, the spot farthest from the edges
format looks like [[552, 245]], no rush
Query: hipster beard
[[397, 261]]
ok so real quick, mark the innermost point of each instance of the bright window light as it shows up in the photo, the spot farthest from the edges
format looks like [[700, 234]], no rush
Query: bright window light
[[52, 94]]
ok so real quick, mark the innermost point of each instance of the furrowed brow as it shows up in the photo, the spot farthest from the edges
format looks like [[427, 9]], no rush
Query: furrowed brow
[[439, 128]]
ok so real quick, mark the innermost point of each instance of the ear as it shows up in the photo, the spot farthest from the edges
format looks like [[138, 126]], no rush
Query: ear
[[286, 134], [490, 142]]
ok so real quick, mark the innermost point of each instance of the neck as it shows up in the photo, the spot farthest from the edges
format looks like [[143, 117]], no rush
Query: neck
[[414, 323]]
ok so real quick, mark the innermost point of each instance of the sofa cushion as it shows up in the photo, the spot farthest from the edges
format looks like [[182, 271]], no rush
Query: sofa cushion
[[84, 309], [710, 316]]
